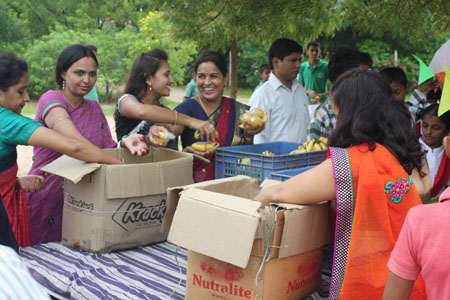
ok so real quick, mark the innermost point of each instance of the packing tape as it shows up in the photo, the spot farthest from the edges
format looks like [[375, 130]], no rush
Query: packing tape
[[267, 246], [181, 273], [110, 211]]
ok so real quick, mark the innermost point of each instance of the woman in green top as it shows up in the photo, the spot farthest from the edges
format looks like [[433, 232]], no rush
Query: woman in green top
[[16, 129]]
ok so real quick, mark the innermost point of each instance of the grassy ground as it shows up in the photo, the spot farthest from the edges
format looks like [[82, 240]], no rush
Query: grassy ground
[[108, 109]]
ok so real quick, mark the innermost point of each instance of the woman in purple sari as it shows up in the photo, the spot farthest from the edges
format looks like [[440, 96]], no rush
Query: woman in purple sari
[[67, 112]]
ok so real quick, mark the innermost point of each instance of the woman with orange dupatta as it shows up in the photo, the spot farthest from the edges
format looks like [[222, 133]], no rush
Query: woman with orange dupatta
[[222, 112], [374, 173]]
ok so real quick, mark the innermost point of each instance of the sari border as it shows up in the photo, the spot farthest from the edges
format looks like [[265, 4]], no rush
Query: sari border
[[344, 217]]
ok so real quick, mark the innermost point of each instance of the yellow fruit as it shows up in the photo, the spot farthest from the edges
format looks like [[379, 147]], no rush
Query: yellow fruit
[[309, 146], [316, 147], [267, 152], [197, 134], [322, 146], [323, 140], [256, 122], [162, 138], [258, 112], [205, 146], [265, 118], [246, 117]]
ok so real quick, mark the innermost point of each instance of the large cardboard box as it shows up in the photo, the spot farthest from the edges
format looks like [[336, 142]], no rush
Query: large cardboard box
[[238, 250], [114, 207]]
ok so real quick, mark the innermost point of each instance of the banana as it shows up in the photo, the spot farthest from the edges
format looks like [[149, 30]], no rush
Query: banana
[[316, 147], [323, 146], [267, 152], [310, 146], [203, 147], [197, 134], [323, 140]]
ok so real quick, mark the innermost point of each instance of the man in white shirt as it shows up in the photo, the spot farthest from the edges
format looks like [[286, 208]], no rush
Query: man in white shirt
[[282, 96]]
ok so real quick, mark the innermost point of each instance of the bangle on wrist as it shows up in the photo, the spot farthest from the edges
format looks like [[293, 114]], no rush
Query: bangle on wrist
[[121, 140]]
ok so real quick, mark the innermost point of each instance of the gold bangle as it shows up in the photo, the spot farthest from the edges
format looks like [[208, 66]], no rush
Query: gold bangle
[[59, 120], [176, 118]]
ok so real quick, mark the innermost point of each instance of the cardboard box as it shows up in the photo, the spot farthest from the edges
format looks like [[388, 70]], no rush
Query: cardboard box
[[114, 207], [226, 233]]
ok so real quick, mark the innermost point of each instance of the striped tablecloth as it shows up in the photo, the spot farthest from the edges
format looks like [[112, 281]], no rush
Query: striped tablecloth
[[150, 272]]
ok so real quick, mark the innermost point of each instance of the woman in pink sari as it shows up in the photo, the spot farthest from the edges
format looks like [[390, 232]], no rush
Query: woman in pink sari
[[67, 112]]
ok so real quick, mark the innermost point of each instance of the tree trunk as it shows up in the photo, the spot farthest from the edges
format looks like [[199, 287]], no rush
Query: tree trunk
[[233, 69]]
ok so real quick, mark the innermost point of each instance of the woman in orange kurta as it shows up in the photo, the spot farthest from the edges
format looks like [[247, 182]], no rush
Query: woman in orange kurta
[[375, 174]]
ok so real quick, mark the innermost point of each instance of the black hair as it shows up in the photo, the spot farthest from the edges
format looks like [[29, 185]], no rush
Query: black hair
[[433, 109], [313, 44], [435, 94], [365, 59], [394, 74], [12, 68], [92, 47], [148, 63], [368, 113], [214, 57], [283, 47], [343, 59], [263, 68], [68, 57]]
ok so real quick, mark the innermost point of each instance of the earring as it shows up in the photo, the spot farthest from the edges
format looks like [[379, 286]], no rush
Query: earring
[[150, 86], [63, 85]]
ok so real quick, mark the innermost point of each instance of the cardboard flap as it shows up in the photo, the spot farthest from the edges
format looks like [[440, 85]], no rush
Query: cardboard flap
[[267, 183], [217, 225], [240, 186], [305, 228], [70, 168], [136, 180]]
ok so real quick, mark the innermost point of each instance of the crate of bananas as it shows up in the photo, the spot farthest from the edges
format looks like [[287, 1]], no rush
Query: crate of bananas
[[312, 145]]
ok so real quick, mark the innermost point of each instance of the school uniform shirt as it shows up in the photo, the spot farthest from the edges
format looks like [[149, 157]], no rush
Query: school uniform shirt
[[314, 78], [287, 110], [434, 159]]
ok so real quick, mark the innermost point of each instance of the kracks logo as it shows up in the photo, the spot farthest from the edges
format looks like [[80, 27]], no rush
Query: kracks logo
[[136, 212], [79, 204]]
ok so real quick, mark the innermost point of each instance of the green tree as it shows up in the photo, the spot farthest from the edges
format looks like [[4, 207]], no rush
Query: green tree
[[221, 24]]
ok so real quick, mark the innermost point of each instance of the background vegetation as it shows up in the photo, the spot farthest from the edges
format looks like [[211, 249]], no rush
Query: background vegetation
[[122, 29]]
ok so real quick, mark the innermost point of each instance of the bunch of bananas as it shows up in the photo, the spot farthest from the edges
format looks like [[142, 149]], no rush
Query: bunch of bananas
[[312, 145], [198, 137], [267, 152], [205, 146], [256, 118]]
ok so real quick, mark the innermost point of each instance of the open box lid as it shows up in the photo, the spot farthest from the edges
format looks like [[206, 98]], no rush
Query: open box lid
[[70, 168], [209, 221], [150, 174], [217, 225]]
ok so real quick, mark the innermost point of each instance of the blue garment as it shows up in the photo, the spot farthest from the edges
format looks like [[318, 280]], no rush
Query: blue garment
[[191, 89], [92, 95], [193, 109]]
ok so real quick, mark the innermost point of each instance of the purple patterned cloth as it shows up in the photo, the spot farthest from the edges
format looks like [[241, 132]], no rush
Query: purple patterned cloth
[[46, 206], [151, 272]]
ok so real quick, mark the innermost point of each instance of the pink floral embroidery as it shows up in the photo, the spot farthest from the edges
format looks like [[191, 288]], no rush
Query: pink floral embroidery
[[398, 188]]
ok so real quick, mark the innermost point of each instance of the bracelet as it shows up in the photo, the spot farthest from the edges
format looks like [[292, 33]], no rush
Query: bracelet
[[59, 120], [121, 140], [176, 118]]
